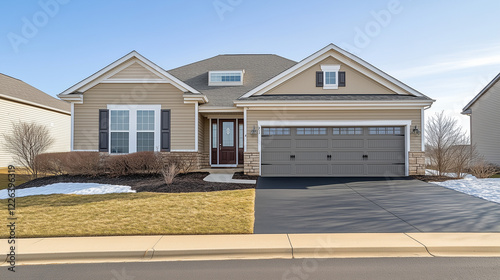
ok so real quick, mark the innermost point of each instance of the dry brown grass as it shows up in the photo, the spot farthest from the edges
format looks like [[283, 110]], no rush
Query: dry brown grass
[[228, 212], [4, 180]]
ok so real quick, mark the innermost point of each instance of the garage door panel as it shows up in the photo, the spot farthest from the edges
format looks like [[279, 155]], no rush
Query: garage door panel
[[347, 156], [276, 169], [283, 156], [310, 156], [347, 143], [340, 152], [347, 169], [311, 143], [311, 169], [391, 156], [270, 143], [385, 169], [386, 143]]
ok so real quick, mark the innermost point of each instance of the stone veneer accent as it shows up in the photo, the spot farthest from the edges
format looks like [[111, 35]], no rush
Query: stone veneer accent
[[416, 163], [187, 154], [251, 163], [204, 160]]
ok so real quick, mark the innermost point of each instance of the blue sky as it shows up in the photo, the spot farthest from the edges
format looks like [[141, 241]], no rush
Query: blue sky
[[448, 50]]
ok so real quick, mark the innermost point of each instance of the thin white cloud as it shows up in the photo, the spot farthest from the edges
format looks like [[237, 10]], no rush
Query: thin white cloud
[[452, 62]]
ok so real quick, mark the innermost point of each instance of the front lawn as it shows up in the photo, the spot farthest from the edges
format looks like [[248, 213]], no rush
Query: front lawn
[[4, 181], [145, 213]]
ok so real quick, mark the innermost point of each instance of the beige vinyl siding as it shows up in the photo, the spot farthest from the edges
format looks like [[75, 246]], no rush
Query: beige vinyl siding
[[59, 125], [135, 71], [253, 116], [356, 83], [206, 136], [201, 133], [169, 97], [485, 130]]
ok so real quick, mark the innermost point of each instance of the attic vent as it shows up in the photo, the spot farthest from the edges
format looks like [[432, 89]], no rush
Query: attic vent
[[225, 78]]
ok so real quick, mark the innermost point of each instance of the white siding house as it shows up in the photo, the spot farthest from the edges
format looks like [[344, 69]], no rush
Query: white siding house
[[484, 114], [20, 102]]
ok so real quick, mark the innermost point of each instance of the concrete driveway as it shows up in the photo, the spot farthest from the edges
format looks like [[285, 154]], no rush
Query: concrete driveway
[[335, 205]]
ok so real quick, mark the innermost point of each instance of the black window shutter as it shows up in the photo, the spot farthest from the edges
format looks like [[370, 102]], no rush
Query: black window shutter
[[341, 79], [319, 79], [103, 130], [165, 130]]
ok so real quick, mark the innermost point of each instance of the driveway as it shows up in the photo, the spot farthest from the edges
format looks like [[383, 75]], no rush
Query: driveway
[[335, 205]]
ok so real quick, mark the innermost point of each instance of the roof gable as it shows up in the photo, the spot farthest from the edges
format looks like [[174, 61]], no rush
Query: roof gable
[[305, 82], [481, 93], [344, 58], [131, 68], [134, 70]]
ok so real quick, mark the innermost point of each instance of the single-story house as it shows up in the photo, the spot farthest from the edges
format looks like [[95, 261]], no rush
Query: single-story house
[[20, 102], [331, 114], [484, 112]]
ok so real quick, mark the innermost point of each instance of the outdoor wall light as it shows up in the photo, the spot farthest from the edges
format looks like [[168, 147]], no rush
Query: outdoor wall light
[[415, 131], [253, 131]]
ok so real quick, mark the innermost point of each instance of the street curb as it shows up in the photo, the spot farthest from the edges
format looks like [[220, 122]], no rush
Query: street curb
[[252, 246]]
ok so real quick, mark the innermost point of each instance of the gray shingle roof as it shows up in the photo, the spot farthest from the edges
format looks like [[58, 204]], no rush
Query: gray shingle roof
[[336, 97], [258, 69], [18, 89]]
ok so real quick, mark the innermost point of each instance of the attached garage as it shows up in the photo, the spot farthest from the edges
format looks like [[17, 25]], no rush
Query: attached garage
[[333, 151]]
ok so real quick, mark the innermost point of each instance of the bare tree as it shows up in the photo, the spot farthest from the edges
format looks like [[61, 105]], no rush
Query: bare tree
[[447, 147], [26, 141]]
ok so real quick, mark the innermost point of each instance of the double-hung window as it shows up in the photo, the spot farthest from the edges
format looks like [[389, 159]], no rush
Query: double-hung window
[[134, 128], [330, 76]]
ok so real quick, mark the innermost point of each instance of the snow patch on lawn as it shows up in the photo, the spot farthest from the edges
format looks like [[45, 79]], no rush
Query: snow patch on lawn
[[69, 188], [488, 189]]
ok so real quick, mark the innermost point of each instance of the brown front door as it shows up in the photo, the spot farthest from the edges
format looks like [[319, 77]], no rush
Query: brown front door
[[227, 142]]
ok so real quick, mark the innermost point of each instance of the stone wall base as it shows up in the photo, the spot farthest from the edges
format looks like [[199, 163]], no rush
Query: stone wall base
[[251, 163], [416, 163]]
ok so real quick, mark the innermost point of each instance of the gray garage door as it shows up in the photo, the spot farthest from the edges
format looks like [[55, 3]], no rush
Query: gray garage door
[[333, 151]]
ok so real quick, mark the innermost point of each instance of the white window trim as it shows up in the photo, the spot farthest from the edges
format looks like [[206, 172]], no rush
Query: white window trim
[[133, 125], [330, 68], [212, 83]]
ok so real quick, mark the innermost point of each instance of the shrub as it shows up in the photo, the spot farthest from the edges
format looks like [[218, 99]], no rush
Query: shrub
[[51, 163], [72, 163], [136, 163], [483, 169], [85, 163], [27, 141], [170, 166]]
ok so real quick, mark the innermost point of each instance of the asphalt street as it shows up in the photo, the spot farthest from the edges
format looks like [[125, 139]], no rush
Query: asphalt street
[[297, 269]]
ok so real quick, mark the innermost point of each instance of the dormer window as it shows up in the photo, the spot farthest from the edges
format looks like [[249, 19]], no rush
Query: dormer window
[[225, 78], [330, 76]]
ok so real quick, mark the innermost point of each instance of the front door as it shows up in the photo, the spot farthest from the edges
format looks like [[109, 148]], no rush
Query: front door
[[227, 142]]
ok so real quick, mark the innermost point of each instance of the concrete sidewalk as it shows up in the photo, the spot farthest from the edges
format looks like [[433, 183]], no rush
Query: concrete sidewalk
[[254, 246]]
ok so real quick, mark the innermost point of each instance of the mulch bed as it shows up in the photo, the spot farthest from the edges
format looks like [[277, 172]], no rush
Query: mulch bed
[[190, 182], [242, 176], [432, 178]]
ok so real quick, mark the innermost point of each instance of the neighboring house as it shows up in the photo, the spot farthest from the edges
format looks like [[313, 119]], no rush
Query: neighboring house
[[331, 114], [484, 113], [20, 102]]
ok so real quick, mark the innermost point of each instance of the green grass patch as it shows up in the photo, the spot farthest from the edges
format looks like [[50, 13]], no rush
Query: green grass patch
[[496, 176], [222, 212]]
